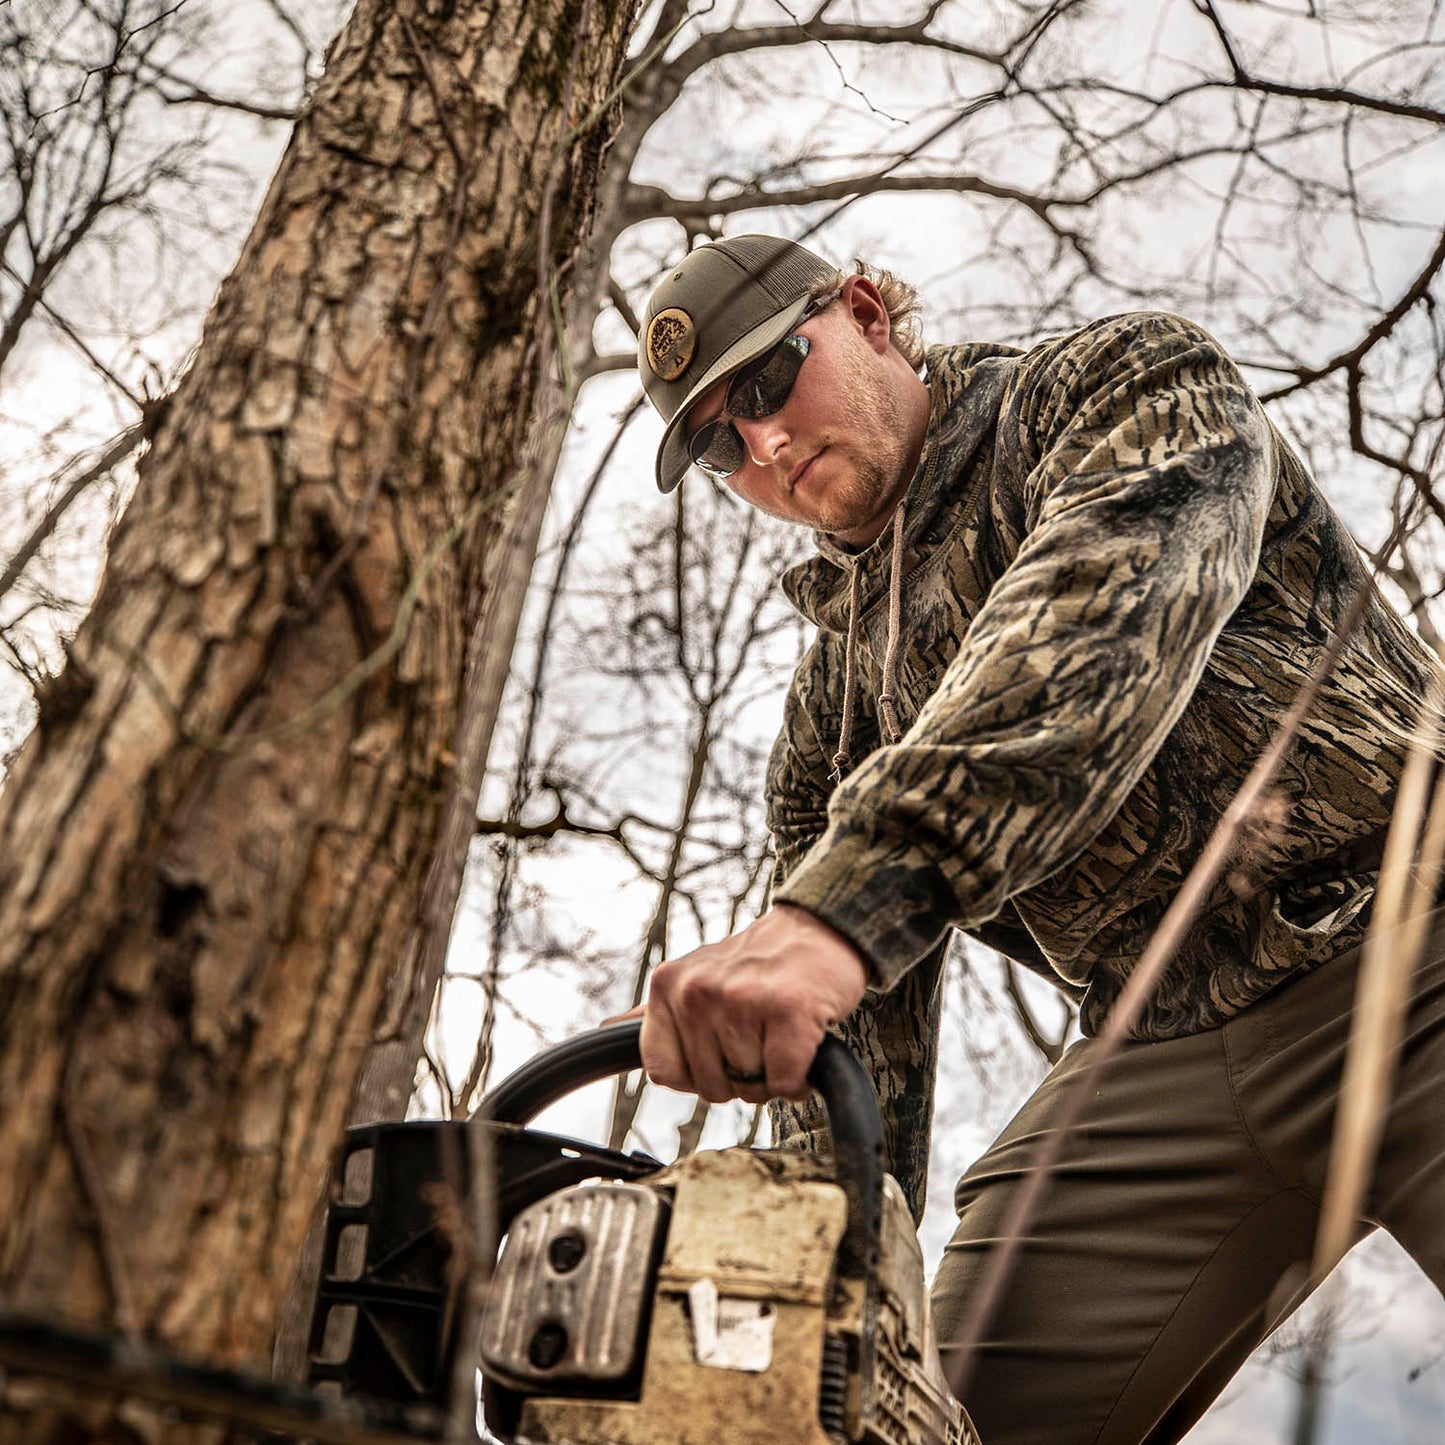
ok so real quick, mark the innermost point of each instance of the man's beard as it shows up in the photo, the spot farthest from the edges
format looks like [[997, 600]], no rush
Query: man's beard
[[867, 495], [876, 484]]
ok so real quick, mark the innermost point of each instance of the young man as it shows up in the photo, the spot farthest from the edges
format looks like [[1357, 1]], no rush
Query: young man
[[1063, 598]]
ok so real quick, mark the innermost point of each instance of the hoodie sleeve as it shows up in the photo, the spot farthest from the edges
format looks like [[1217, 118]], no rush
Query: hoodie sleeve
[[1147, 470]]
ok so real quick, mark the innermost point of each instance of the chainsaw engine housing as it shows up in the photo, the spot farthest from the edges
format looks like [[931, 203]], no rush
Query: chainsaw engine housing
[[753, 1296], [704, 1303]]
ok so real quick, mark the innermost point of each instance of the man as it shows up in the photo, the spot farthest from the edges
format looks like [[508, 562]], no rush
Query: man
[[1064, 598]]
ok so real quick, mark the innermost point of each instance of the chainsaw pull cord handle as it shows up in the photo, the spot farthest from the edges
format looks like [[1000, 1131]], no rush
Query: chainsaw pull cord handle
[[847, 1094]]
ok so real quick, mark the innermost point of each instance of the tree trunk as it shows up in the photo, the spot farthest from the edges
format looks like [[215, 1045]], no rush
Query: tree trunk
[[384, 1086], [214, 847]]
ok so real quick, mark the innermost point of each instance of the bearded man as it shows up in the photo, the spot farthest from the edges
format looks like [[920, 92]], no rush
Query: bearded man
[[1064, 598]]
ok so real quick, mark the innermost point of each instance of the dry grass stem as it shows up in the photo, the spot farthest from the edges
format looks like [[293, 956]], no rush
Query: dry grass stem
[[1403, 901]]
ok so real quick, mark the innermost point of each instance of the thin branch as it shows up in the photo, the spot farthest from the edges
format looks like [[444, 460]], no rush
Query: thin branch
[[521, 774], [559, 823], [1352, 359], [76, 340], [645, 202], [618, 297], [1051, 1048], [737, 40], [690, 1131], [186, 92], [1242, 79], [1418, 476], [115, 452], [612, 361], [303, 41]]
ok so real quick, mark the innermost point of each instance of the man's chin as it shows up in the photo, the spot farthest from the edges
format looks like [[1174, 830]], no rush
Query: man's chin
[[857, 526]]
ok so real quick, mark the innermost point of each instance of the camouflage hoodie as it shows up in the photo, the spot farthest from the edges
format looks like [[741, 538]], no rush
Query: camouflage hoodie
[[1115, 577]]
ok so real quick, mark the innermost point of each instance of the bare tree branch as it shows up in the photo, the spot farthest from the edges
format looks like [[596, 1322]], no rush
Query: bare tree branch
[[115, 452], [1351, 360]]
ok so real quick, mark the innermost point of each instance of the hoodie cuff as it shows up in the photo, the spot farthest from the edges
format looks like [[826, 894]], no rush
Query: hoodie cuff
[[892, 909]]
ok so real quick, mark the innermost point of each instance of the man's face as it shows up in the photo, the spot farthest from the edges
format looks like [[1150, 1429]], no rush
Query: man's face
[[840, 452]]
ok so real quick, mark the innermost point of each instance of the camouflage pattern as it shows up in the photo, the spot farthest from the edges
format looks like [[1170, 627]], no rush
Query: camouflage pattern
[[1117, 577], [895, 1035]]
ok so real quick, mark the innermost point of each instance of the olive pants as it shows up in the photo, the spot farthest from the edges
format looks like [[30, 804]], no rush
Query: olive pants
[[1192, 1185]]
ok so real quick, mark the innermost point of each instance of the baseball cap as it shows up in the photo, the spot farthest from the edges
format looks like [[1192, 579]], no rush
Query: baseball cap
[[725, 304]]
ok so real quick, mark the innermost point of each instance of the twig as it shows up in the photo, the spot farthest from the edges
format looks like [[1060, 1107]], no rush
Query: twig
[[1051, 1048], [522, 770], [113, 454], [690, 1131], [75, 339], [1351, 360], [187, 92]]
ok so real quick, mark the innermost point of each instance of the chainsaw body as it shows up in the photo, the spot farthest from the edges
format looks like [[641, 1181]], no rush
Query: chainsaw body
[[748, 1295]]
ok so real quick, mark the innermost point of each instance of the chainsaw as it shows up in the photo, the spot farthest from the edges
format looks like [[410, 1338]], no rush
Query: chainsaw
[[756, 1296]]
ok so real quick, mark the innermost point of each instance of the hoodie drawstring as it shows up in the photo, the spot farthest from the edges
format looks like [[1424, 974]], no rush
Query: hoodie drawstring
[[841, 759], [888, 696]]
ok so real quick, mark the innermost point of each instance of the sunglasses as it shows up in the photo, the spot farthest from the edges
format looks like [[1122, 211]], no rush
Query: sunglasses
[[759, 389]]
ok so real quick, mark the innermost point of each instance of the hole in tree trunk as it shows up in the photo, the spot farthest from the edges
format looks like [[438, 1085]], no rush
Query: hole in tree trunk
[[179, 903]]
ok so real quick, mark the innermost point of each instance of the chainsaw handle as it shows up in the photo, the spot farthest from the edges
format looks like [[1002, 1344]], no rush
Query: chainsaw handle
[[847, 1094]]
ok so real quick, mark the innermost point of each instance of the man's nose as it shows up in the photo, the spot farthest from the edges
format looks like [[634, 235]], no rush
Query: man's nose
[[764, 437]]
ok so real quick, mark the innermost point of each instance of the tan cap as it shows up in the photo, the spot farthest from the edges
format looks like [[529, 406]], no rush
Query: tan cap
[[728, 302]]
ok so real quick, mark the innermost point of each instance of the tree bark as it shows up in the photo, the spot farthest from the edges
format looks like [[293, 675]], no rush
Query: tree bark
[[215, 845]]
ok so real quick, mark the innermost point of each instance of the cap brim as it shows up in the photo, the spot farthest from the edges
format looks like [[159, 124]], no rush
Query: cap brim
[[672, 458]]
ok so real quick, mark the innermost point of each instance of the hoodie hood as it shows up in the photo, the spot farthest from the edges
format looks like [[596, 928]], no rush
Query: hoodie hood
[[837, 587], [967, 385]]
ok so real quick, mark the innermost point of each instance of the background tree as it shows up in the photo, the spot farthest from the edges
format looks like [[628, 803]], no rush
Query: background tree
[[218, 838]]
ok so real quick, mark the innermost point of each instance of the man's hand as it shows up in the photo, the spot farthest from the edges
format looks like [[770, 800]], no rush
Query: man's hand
[[758, 1002]]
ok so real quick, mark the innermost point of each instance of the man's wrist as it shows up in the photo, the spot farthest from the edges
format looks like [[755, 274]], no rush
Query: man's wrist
[[788, 907]]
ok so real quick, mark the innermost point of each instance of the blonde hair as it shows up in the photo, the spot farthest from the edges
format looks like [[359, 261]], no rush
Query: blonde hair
[[905, 315]]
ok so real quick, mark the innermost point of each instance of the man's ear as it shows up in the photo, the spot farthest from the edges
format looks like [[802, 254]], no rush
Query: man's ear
[[867, 311]]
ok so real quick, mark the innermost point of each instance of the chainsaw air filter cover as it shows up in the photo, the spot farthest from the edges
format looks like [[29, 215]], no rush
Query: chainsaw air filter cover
[[570, 1299]]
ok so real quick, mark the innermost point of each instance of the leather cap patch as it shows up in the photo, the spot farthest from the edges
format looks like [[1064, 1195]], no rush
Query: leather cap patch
[[671, 341]]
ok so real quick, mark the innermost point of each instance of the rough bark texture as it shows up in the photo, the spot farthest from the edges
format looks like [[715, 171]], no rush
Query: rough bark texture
[[214, 847]]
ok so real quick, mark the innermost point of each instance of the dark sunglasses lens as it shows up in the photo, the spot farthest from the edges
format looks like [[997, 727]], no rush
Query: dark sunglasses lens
[[758, 390], [762, 388], [717, 449]]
